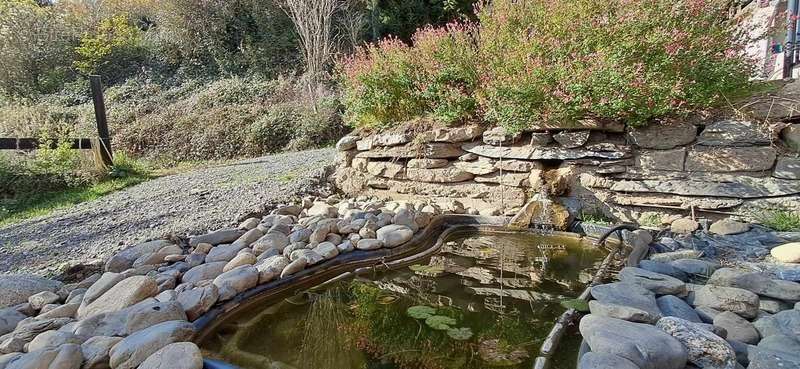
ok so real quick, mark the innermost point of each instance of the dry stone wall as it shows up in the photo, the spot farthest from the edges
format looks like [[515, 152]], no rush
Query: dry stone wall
[[717, 167]]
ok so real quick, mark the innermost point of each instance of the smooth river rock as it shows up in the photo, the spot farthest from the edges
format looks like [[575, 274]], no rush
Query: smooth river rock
[[594, 360], [136, 348], [737, 327], [181, 355], [737, 300], [125, 293], [236, 281], [786, 253], [674, 306], [642, 344], [624, 301], [659, 284], [757, 283]]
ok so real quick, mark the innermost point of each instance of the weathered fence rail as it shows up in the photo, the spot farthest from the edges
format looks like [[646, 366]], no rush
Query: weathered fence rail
[[101, 145]]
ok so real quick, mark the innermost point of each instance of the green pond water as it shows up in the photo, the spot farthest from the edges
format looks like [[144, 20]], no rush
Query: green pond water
[[484, 301]]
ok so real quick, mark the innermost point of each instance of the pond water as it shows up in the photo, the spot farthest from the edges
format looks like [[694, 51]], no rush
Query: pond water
[[484, 301]]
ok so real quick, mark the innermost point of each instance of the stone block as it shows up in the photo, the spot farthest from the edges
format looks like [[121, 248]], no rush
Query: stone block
[[730, 159]]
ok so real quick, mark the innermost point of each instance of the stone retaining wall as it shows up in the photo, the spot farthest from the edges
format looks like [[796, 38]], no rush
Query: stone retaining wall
[[719, 167]]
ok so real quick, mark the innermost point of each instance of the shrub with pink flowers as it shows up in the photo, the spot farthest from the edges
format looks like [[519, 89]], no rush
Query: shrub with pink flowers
[[530, 62], [393, 82], [558, 61]]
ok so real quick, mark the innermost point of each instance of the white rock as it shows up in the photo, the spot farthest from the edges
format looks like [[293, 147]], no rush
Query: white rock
[[394, 235], [181, 355]]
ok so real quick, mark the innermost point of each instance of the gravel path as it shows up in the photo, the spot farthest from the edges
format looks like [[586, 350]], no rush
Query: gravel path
[[188, 203]]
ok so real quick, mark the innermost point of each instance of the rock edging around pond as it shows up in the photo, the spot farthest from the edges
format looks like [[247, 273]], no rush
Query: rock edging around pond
[[138, 313], [677, 311]]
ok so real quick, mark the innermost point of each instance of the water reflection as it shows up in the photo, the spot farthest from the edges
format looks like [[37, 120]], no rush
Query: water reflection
[[483, 301]]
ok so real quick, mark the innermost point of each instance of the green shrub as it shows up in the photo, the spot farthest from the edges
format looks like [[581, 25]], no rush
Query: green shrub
[[563, 60], [114, 50], [394, 82]]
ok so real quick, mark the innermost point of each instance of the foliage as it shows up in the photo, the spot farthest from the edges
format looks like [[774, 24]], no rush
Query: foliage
[[420, 312], [460, 334], [534, 63], [781, 220], [36, 45], [400, 18], [394, 82], [114, 50], [627, 60], [439, 322]]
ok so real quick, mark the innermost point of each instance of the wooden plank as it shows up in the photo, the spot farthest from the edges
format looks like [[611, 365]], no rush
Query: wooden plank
[[33, 144], [102, 121]]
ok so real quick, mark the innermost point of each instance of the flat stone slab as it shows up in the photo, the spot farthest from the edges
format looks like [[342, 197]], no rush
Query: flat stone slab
[[730, 159], [433, 150], [741, 187], [663, 136], [734, 133], [527, 152]]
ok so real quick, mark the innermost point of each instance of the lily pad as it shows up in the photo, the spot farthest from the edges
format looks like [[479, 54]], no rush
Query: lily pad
[[577, 304], [460, 334], [440, 322], [420, 312]]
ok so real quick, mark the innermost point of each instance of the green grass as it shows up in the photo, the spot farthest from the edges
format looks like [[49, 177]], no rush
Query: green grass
[[596, 218], [781, 220], [38, 204]]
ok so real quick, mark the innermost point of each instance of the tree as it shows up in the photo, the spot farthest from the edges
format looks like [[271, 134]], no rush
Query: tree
[[313, 20], [36, 43]]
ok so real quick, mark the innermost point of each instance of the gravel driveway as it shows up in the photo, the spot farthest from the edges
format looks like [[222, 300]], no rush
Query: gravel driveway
[[181, 204]]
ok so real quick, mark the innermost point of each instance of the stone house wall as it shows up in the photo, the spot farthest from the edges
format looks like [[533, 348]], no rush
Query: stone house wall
[[714, 167]]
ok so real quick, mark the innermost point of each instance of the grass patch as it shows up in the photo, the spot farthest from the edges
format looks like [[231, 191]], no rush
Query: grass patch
[[596, 218], [38, 204], [781, 220]]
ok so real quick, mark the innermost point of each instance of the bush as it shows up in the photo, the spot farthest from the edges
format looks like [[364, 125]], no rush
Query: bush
[[394, 82], [780, 220], [114, 51], [36, 43], [627, 60], [555, 61]]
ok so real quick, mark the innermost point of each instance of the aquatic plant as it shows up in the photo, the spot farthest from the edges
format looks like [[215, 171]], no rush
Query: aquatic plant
[[420, 312], [460, 334], [577, 304], [440, 322]]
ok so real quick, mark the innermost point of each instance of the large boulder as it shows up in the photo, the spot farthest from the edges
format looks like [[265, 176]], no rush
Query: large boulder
[[624, 301], [124, 259], [394, 235], [644, 345], [756, 283], [136, 348], [674, 306], [17, 288], [236, 281], [221, 236], [181, 355], [204, 272], [659, 284], [125, 293], [787, 253], [704, 348], [593, 360], [737, 300], [737, 327], [96, 351]]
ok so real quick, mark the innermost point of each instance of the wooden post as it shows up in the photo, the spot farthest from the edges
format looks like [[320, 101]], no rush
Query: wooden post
[[102, 122]]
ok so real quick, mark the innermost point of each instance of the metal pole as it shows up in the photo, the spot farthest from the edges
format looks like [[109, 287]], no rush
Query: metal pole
[[791, 38], [100, 117]]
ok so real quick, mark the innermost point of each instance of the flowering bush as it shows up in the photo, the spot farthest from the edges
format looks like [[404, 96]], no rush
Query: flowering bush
[[559, 61], [554, 61], [393, 82]]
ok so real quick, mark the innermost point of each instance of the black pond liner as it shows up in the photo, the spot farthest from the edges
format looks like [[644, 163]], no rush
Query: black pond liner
[[359, 262]]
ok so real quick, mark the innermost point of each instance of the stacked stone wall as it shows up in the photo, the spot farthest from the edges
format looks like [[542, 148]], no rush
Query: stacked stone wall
[[712, 167]]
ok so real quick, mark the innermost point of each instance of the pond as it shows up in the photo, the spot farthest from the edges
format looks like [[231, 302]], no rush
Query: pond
[[483, 301]]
